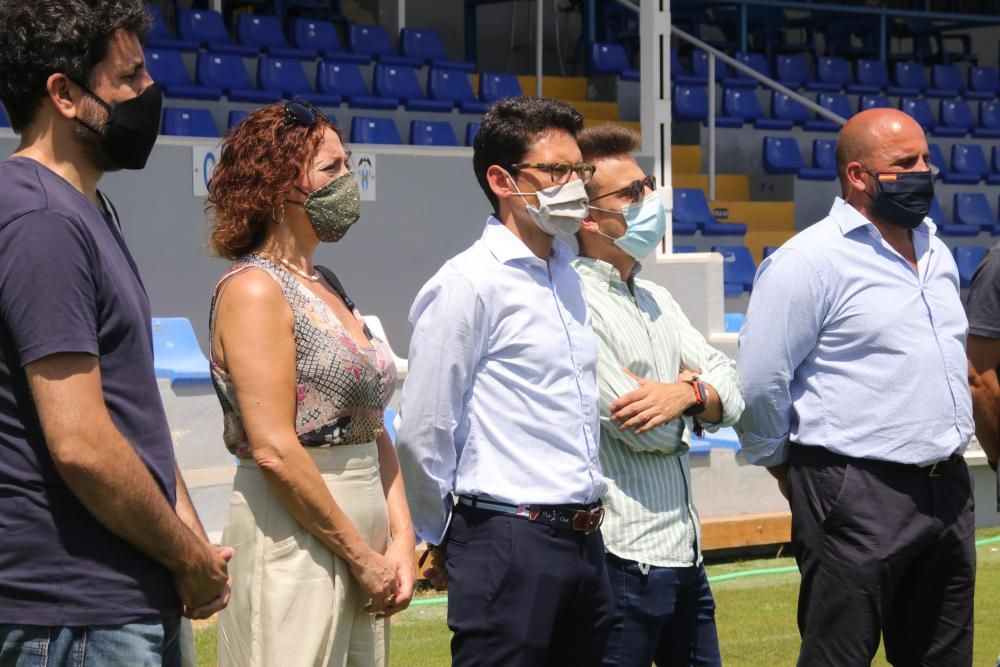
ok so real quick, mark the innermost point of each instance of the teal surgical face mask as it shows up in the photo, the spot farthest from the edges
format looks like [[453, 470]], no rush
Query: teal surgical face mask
[[647, 223]]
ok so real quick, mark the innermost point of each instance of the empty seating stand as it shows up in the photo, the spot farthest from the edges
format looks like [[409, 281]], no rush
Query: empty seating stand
[[426, 46], [321, 37], [399, 81], [189, 123], [432, 133], [738, 269], [453, 86], [176, 354], [167, 68], [345, 80], [471, 130], [373, 41], [610, 58], [226, 71], [264, 33], [741, 104], [286, 77], [206, 28], [160, 37], [968, 258], [692, 213], [781, 155], [365, 130], [984, 83], [494, 86], [973, 209], [945, 226]]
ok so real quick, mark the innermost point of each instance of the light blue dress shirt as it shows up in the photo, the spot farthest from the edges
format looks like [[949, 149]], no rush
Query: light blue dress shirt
[[844, 346], [500, 398]]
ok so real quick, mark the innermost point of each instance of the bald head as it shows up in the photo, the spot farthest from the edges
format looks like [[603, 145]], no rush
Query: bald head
[[869, 136]]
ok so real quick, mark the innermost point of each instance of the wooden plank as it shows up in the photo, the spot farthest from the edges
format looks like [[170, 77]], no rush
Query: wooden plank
[[733, 532]]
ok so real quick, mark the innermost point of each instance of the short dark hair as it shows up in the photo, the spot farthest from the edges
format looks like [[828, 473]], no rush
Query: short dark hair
[[510, 126], [607, 140], [42, 37]]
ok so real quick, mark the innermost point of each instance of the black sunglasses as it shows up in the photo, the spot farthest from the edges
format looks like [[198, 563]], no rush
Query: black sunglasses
[[633, 191], [303, 112]]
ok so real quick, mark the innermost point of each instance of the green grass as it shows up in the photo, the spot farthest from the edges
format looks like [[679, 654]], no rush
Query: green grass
[[755, 615]]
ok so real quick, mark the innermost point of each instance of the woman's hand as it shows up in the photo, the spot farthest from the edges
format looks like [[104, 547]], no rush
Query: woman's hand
[[400, 556], [377, 577]]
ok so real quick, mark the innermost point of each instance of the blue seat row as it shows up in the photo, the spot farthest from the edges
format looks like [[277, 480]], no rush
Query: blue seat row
[[968, 258], [610, 58], [781, 155], [310, 39], [222, 73], [692, 214], [972, 215], [200, 123], [968, 164], [834, 74], [738, 269]]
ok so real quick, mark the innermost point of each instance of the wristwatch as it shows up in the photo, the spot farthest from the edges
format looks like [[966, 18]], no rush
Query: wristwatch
[[700, 398]]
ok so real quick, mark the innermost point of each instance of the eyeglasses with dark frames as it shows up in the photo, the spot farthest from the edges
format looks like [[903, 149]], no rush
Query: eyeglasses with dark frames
[[634, 191], [560, 171], [303, 112]]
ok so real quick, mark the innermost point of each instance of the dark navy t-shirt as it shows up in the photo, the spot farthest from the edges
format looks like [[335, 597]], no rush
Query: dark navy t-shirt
[[68, 284]]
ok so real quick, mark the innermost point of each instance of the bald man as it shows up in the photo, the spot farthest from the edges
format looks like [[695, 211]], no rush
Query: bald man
[[852, 358]]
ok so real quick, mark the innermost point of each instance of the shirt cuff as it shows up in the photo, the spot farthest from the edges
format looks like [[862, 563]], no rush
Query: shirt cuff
[[764, 451]]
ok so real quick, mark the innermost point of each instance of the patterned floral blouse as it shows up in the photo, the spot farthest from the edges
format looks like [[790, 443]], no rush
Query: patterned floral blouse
[[341, 389]]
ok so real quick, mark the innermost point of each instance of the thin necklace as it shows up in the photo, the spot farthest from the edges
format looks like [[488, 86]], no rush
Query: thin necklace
[[291, 267]]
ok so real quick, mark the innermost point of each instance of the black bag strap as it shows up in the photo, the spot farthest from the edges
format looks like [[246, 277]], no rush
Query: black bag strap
[[331, 277]]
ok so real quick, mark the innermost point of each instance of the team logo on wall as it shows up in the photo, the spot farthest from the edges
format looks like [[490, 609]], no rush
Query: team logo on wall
[[364, 171]]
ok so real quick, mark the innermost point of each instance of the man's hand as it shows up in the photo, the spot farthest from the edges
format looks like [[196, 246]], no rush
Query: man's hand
[[652, 404], [204, 584], [437, 574], [400, 557], [780, 473]]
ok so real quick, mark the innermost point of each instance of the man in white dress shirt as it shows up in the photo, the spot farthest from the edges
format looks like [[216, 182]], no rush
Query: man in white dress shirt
[[499, 436]]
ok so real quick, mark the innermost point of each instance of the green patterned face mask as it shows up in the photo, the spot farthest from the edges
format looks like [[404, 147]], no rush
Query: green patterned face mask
[[333, 208]]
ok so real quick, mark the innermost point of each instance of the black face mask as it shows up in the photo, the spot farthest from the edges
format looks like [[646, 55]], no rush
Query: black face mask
[[904, 198], [132, 127]]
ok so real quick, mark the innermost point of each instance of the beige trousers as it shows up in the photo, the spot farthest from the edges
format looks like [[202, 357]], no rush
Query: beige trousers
[[294, 603]]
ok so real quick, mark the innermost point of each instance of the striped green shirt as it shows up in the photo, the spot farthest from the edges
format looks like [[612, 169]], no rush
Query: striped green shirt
[[650, 517]]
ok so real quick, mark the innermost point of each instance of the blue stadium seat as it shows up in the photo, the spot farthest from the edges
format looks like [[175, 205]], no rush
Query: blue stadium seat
[[264, 33], [321, 36], [691, 209], [610, 58], [920, 110], [973, 210], [947, 80], [236, 117], [956, 118], [984, 83], [167, 68], [824, 159], [205, 27], [995, 160], [968, 258], [834, 73], [680, 75], [226, 71], [689, 102], [871, 77], [967, 162], [365, 130], [793, 71], [866, 102], [781, 155], [189, 123], [4, 121], [160, 37], [738, 269], [945, 226], [699, 65], [176, 353], [401, 82], [471, 130], [733, 321], [938, 161], [346, 81], [769, 250], [989, 119], [495, 86], [684, 249], [910, 79], [835, 102], [742, 103], [755, 61], [453, 86], [426, 45], [432, 133], [373, 41], [286, 77], [785, 108]]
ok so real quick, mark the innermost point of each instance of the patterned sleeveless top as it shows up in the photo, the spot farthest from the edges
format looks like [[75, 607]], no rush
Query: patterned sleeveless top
[[341, 389]]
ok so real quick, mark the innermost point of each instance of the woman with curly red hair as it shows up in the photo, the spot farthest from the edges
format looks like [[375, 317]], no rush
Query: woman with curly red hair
[[318, 516]]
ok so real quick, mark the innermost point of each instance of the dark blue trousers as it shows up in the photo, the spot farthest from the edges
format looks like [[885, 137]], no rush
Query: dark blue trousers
[[523, 594], [666, 616]]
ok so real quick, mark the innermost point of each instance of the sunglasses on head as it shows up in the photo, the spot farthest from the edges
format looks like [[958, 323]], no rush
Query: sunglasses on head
[[303, 112], [634, 191]]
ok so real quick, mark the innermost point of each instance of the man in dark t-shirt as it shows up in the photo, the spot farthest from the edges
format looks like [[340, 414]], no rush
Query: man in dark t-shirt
[[100, 547], [983, 307]]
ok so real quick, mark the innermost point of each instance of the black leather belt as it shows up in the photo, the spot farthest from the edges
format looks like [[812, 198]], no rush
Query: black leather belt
[[583, 519]]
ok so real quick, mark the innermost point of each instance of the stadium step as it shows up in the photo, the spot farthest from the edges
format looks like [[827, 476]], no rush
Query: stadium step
[[564, 88], [685, 159], [598, 111], [774, 216], [730, 187], [624, 123]]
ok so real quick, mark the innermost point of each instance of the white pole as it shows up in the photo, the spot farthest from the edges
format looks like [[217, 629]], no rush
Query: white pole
[[654, 62], [711, 126], [401, 14], [538, 50]]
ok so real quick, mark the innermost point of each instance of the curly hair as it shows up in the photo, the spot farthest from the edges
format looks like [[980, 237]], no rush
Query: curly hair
[[262, 158], [43, 37], [509, 128]]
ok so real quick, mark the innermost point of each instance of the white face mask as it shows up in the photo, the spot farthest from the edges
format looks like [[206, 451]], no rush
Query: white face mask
[[560, 209]]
